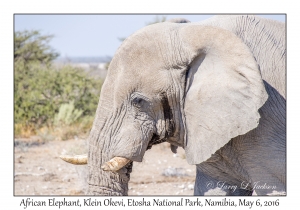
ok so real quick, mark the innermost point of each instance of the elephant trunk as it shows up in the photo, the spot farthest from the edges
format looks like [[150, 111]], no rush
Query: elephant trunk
[[105, 175], [106, 182]]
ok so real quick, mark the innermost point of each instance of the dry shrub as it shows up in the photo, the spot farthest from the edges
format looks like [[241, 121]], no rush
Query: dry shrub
[[66, 132], [58, 132], [63, 131], [46, 133], [23, 130]]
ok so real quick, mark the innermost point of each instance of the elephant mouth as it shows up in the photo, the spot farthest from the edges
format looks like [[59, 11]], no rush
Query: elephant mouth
[[155, 140], [119, 164], [123, 165]]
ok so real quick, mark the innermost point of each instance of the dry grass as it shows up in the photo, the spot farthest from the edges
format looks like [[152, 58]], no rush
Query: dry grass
[[62, 133], [56, 132], [24, 131]]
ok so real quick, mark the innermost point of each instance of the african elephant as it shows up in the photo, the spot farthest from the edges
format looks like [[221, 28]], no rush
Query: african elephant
[[215, 88]]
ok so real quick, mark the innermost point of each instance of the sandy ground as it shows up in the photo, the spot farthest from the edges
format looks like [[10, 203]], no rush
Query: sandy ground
[[39, 171]]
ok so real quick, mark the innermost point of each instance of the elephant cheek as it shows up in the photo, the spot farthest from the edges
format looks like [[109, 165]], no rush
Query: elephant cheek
[[161, 127], [132, 143]]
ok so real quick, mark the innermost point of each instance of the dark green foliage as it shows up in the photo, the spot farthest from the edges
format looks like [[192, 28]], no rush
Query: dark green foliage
[[30, 46], [41, 88]]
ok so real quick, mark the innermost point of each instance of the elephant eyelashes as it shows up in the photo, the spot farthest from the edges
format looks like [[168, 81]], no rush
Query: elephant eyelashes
[[138, 102]]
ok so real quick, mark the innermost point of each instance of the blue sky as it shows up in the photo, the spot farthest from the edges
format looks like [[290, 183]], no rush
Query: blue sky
[[93, 35]]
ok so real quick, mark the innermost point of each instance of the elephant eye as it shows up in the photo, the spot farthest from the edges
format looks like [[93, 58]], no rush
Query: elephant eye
[[138, 102]]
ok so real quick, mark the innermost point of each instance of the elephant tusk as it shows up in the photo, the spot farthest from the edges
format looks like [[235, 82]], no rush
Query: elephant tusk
[[115, 164], [76, 160]]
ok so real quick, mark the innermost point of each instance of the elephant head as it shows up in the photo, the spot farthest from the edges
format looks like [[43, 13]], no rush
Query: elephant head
[[193, 86]]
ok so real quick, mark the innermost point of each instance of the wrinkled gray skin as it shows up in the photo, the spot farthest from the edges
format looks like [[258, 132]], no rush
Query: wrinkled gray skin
[[215, 88]]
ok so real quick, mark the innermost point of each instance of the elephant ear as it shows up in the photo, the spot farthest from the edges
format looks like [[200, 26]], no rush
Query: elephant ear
[[224, 90]]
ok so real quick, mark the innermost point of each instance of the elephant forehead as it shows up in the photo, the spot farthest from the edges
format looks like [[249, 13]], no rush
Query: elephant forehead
[[153, 47], [143, 61], [140, 74], [135, 63], [139, 48], [147, 82]]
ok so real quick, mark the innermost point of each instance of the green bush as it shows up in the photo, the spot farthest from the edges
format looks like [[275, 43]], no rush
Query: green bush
[[67, 114], [43, 92]]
